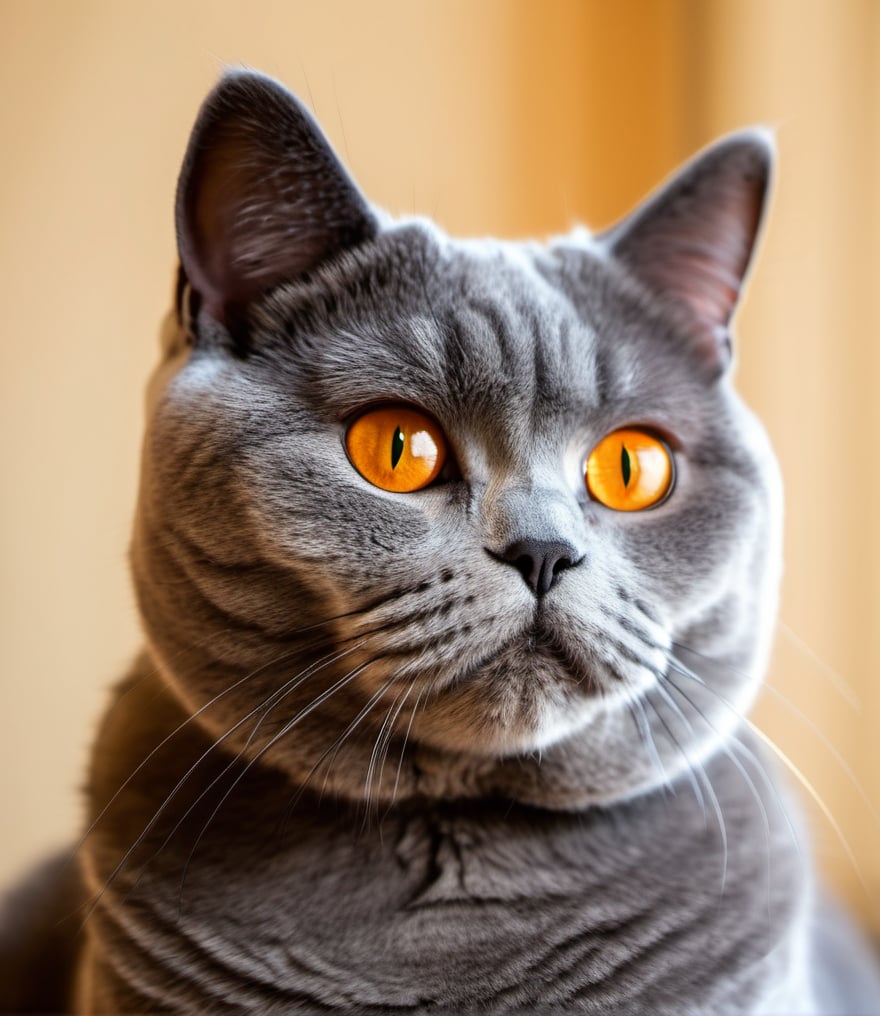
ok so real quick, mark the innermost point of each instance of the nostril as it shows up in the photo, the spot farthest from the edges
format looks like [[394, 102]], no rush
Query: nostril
[[560, 564], [540, 562], [528, 568]]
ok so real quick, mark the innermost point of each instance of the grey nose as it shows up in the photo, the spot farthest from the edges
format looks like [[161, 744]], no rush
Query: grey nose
[[540, 562]]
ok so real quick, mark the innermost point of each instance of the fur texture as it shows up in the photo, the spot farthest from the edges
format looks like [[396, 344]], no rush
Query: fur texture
[[366, 764]]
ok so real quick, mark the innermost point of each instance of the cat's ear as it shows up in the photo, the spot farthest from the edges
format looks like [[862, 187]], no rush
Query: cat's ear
[[262, 198], [691, 243]]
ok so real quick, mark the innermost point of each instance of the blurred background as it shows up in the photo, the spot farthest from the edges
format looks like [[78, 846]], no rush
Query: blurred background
[[507, 117]]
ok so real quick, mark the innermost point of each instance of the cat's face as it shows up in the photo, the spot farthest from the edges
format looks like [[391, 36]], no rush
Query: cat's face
[[508, 606]]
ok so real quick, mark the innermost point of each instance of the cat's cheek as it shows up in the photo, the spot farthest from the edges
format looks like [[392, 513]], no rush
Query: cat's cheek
[[354, 535]]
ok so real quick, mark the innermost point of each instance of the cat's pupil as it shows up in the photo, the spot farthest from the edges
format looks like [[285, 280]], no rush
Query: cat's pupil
[[397, 443], [625, 465]]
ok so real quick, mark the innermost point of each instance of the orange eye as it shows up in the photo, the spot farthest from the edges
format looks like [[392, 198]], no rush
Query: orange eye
[[629, 470], [396, 448]]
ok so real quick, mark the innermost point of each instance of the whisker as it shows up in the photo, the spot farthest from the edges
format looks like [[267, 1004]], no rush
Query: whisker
[[349, 730], [226, 691], [266, 706], [394, 723], [280, 659], [739, 766], [749, 782], [814, 794], [737, 743], [305, 711], [379, 743], [684, 669], [713, 801], [839, 683], [334, 748], [383, 739], [689, 765], [153, 671], [182, 781], [640, 719], [412, 716], [703, 776], [841, 761]]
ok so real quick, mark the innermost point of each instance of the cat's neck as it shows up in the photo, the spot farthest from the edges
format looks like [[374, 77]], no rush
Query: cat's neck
[[325, 869]]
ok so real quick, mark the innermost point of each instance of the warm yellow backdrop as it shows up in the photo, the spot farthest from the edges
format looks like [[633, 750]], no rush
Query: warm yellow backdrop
[[504, 116]]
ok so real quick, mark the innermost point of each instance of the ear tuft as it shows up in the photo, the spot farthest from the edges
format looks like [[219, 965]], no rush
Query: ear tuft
[[262, 198], [692, 242]]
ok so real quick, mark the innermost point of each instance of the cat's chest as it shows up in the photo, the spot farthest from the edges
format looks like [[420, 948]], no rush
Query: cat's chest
[[466, 906]]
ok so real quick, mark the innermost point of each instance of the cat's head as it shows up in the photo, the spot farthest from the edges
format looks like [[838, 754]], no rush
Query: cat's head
[[489, 510]]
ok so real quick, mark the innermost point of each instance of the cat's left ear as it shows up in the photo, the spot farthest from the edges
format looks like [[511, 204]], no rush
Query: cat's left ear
[[262, 197], [691, 243]]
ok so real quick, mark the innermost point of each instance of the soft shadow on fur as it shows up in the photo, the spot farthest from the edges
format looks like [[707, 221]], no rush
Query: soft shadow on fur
[[457, 563]]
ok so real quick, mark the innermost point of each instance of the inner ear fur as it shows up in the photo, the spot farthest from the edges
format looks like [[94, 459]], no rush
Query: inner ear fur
[[691, 243], [262, 198]]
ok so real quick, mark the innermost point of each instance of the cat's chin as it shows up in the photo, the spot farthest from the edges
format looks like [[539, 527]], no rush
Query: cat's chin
[[529, 696]]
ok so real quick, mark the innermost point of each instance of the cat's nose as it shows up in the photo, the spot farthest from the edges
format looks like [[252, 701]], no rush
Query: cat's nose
[[540, 562]]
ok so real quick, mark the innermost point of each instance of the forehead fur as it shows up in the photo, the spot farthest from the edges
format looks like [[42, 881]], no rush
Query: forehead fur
[[471, 328]]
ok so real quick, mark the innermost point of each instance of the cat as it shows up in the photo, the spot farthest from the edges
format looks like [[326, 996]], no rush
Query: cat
[[458, 566]]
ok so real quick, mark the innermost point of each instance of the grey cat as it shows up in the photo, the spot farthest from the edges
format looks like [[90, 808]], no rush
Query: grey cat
[[458, 566]]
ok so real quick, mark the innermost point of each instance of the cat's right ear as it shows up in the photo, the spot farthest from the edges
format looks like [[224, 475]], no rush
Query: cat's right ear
[[692, 242], [262, 198]]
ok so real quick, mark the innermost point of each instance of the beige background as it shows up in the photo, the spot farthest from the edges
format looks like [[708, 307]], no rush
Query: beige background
[[495, 117]]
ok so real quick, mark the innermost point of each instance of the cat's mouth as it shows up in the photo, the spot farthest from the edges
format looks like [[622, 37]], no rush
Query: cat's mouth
[[525, 695], [534, 684], [582, 666], [540, 646]]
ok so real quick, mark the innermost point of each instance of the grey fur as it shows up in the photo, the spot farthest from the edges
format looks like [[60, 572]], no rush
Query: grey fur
[[363, 768]]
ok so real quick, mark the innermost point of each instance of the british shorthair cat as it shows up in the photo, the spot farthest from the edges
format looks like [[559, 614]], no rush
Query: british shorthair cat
[[458, 566]]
